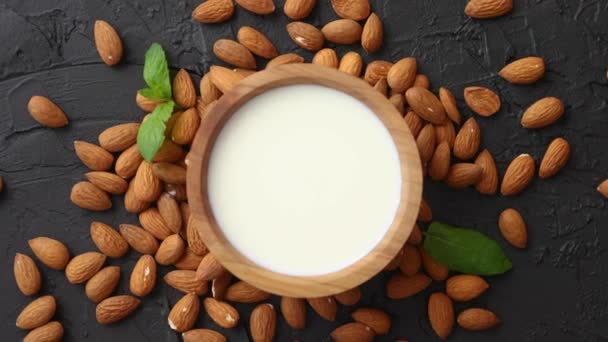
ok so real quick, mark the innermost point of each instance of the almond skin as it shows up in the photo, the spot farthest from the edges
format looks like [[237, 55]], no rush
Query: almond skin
[[462, 175], [382, 86], [143, 276], [102, 284], [349, 297], [326, 57], [209, 268], [477, 319], [294, 312], [468, 139], [128, 162], [90, 197], [185, 127], [543, 113], [260, 7], [434, 269], [194, 237], [524, 70], [37, 313], [116, 308], [288, 58], [46, 113], [84, 266], [184, 313], [446, 133], [146, 186], [222, 313], [170, 250], [234, 53], [256, 42], [426, 142], [414, 122], [402, 74], [398, 100], [184, 93], [93, 156], [219, 285], [325, 307], [108, 43], [209, 92], [351, 63], [482, 101], [223, 78], [351, 332], [170, 212], [351, 9], [185, 281], [441, 314], [440, 163], [298, 9], [108, 182], [425, 214], [342, 31], [513, 228], [556, 157], [262, 323], [169, 152], [108, 240], [52, 331], [213, 11], [449, 104], [152, 221], [50, 252], [376, 71], [207, 335], [372, 34], [485, 9], [518, 175], [422, 81], [189, 261], [488, 183], [169, 173], [378, 320], [400, 286], [120, 137], [426, 105], [603, 188], [140, 240], [410, 261], [306, 36], [464, 287]]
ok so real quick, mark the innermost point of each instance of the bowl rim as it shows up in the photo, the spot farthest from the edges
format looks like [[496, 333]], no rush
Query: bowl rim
[[290, 285]]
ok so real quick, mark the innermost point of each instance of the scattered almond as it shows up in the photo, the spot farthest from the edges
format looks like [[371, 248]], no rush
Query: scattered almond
[[477, 319], [206, 335], [195, 242], [351, 9], [353, 332], [107, 42], [260, 7], [50, 252], [543, 113], [262, 323], [446, 132], [294, 312], [223, 78], [381, 86], [50, 332], [400, 286], [288, 58], [93, 156], [306, 36], [184, 93], [209, 92], [449, 104], [143, 276], [378, 320], [342, 31], [234, 53], [222, 313], [488, 183], [325, 307], [170, 250], [425, 214], [146, 186], [426, 142], [349, 297], [298, 9], [426, 105], [220, 285], [169, 152], [256, 42], [114, 309], [441, 314], [84, 266], [513, 228], [140, 240], [169, 173], [465, 287], [377, 70], [46, 113], [603, 188], [108, 182], [242, 292], [152, 222], [518, 175], [120, 137], [410, 261], [414, 122], [468, 139], [422, 81], [462, 175], [402, 74], [189, 261], [351, 63], [485, 9], [102, 284], [170, 212], [185, 127], [434, 269], [372, 34], [213, 11], [108, 240], [185, 281], [524, 70], [37, 313], [556, 157], [482, 101], [326, 57], [209, 268], [440, 163], [128, 162]]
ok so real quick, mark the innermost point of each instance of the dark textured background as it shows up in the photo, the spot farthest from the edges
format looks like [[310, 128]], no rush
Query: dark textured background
[[557, 290]]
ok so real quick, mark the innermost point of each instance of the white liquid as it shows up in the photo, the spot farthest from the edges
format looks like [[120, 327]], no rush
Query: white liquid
[[304, 180]]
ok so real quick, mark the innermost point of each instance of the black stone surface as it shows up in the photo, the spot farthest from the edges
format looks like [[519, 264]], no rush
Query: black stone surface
[[557, 290]]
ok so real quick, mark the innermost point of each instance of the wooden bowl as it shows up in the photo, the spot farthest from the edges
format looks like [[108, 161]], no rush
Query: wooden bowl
[[305, 286]]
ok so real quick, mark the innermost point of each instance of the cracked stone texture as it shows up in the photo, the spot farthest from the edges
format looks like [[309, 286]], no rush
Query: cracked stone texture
[[557, 290]]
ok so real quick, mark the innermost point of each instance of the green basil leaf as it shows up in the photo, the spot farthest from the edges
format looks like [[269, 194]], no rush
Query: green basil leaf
[[156, 73], [151, 93], [151, 133], [465, 250]]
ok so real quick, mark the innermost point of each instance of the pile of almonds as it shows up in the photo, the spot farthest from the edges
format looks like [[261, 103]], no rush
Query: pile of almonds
[[169, 236]]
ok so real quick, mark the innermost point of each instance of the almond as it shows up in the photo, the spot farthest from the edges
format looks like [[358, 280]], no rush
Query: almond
[[84, 266], [372, 34], [108, 182], [411, 261], [260, 7], [462, 175], [488, 183], [377, 70], [349, 297], [603, 188], [132, 203], [400, 286], [414, 122], [90, 197], [482, 101], [185, 127], [382, 86], [184, 313], [402, 74], [37, 313], [518, 175], [351, 9], [146, 186], [422, 81], [209, 268], [219, 285], [484, 9], [140, 240], [114, 309], [184, 93], [170, 250], [223, 78], [206, 335], [326, 57], [416, 236], [395, 262], [294, 312], [426, 105], [108, 240], [425, 214], [298, 9], [152, 222], [325, 307], [556, 157], [209, 92], [440, 163], [524, 70], [543, 113], [50, 252], [256, 42], [351, 63], [93, 156], [305, 35], [426, 142], [169, 152], [242, 292], [213, 11], [464, 287], [46, 113], [477, 319], [342, 31], [170, 212], [262, 323], [446, 133], [120, 137], [378, 320], [185, 281], [169, 173], [434, 269], [222, 313], [108, 43], [189, 261], [234, 53], [128, 162], [513, 228], [146, 104], [102, 284], [143, 276], [50, 332], [468, 139], [353, 332], [449, 104], [441, 314], [288, 58], [177, 191], [194, 237]]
